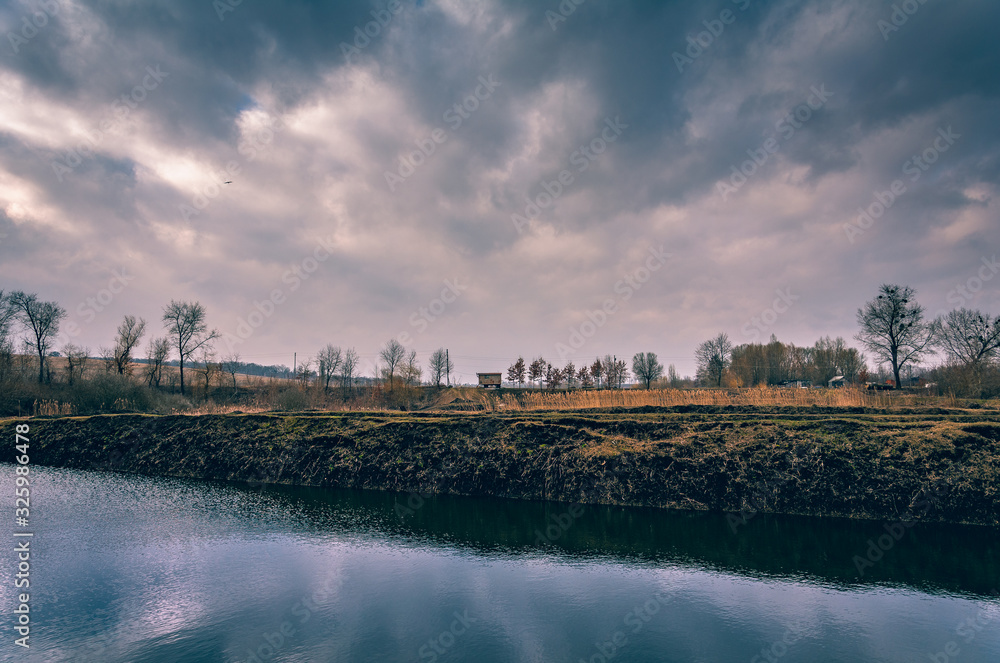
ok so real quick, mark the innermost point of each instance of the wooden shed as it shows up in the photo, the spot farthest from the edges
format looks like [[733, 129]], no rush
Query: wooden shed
[[490, 380]]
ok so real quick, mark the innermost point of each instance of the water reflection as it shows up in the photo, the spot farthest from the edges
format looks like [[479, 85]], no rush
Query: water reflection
[[143, 569]]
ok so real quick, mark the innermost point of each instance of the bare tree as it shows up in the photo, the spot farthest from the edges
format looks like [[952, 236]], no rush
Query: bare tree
[[231, 364], [852, 365], [893, 328], [569, 374], [76, 362], [350, 366], [615, 372], [713, 358], [209, 368], [620, 373], [536, 371], [41, 319], [646, 367], [517, 372], [675, 380], [585, 378], [440, 365], [410, 370], [328, 362], [156, 357], [553, 376], [8, 315], [185, 323], [304, 371], [597, 371], [969, 337], [392, 354], [129, 332], [107, 357]]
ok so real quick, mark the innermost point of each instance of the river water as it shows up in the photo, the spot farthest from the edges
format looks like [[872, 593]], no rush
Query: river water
[[138, 569]]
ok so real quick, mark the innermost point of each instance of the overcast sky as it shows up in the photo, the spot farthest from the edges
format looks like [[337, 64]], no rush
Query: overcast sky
[[360, 194]]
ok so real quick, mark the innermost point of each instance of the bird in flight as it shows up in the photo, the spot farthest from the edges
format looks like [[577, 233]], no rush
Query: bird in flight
[[229, 182]]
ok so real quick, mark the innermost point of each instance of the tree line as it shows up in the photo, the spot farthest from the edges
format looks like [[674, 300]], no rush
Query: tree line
[[892, 327]]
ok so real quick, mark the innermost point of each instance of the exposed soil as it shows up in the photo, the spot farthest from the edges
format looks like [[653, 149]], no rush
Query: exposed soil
[[931, 463]]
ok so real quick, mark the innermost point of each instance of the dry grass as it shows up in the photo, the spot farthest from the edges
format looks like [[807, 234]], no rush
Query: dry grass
[[52, 408], [757, 396]]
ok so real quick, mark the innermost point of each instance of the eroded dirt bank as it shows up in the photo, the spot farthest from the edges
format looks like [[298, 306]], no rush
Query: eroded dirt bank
[[930, 464]]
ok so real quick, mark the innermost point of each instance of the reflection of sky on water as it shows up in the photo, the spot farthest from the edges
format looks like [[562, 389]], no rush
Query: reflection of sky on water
[[138, 569]]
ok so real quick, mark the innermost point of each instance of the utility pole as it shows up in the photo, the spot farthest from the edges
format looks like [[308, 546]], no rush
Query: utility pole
[[295, 363], [447, 366]]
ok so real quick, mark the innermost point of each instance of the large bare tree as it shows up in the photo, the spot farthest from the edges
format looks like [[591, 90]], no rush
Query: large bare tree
[[893, 328], [646, 368], [969, 337], [130, 331], [188, 331], [328, 362], [392, 354], [41, 320], [713, 358]]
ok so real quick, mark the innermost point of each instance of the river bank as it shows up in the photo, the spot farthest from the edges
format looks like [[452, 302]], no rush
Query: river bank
[[932, 464]]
